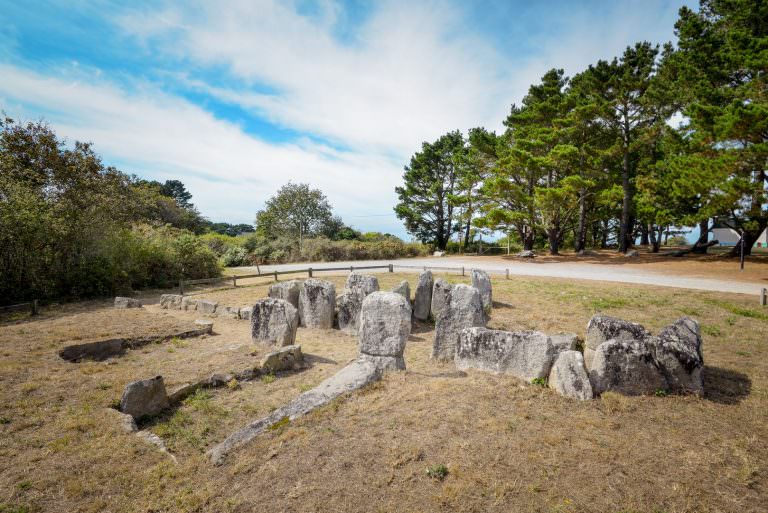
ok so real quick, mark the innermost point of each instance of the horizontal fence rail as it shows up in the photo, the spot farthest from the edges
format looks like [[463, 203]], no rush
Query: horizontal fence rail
[[32, 306]]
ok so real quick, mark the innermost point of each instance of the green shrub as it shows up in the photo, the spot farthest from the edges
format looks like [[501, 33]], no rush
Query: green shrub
[[235, 257]]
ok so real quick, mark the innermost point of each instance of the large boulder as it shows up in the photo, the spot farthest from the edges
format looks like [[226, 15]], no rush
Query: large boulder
[[564, 342], [362, 283], [274, 322], [422, 301], [524, 354], [482, 282], [677, 352], [206, 306], [602, 328], [286, 290], [348, 306], [404, 289], [285, 358], [463, 310], [170, 301], [385, 323], [317, 303], [144, 398], [441, 291], [569, 377], [127, 302], [626, 367]]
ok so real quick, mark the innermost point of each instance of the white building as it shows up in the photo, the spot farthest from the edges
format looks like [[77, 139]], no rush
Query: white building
[[730, 237]]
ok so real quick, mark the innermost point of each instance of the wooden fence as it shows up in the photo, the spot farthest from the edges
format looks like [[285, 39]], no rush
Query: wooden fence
[[31, 306]]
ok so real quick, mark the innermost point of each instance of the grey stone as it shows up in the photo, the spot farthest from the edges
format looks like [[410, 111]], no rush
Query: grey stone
[[438, 253], [285, 358], [422, 301], [205, 325], [482, 282], [524, 354], [602, 328], [348, 306], [569, 376], [526, 254], [384, 363], [231, 312], [404, 289], [170, 301], [144, 398], [362, 283], [287, 290], [626, 367], [189, 304], [274, 322], [564, 342], [181, 392], [317, 302], [463, 310], [127, 302], [124, 421], [385, 323], [245, 312], [206, 306], [632, 254], [677, 352], [441, 292]]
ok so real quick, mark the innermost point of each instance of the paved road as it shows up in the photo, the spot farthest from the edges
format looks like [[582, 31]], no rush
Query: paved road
[[580, 270]]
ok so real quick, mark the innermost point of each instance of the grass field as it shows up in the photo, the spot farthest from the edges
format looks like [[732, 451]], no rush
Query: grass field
[[423, 440]]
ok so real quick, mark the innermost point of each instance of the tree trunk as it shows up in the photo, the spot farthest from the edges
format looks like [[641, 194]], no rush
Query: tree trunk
[[466, 233], [626, 203], [700, 247], [554, 241], [644, 235], [750, 237], [604, 235], [581, 230], [528, 238], [655, 241]]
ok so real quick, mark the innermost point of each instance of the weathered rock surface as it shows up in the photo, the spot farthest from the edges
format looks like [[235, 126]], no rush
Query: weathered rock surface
[[285, 358], [568, 376], [206, 306], [170, 301], [124, 421], [441, 292], [362, 283], [482, 282], [404, 289], [564, 342], [348, 306], [463, 310], [317, 302], [602, 328], [524, 354], [677, 352], [245, 312], [189, 304], [205, 325], [287, 290], [144, 398], [274, 322], [526, 254], [231, 312], [422, 302], [385, 323], [627, 367], [632, 254], [127, 302]]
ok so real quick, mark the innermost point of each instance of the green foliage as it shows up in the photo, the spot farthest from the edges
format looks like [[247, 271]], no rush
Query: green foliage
[[437, 472], [296, 211], [542, 382], [234, 257]]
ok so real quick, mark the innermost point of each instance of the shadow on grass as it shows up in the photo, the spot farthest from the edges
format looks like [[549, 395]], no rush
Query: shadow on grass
[[725, 386]]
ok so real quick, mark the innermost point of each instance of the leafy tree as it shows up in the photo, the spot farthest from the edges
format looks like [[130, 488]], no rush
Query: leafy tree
[[295, 211], [177, 190]]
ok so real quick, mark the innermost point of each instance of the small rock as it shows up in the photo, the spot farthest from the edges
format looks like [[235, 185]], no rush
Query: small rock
[[441, 292], [569, 376], [524, 354], [245, 312], [230, 312], [632, 254], [144, 398], [463, 310], [482, 282], [205, 325], [438, 253], [404, 289], [127, 302], [317, 303], [274, 321], [206, 306], [170, 301], [526, 254], [188, 303], [285, 358], [423, 300], [287, 290]]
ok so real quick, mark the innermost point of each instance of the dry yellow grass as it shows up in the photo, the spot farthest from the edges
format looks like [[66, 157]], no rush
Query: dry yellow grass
[[508, 446]]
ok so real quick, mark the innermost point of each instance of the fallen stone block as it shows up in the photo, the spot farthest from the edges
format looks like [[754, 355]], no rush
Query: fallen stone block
[[287, 290], [422, 301], [205, 325], [274, 322], [482, 282], [385, 323], [677, 352], [317, 303], [524, 354], [285, 358], [441, 292], [230, 312], [188, 303], [170, 301], [602, 328], [144, 398], [127, 302], [568, 376], [206, 306], [463, 310], [626, 367]]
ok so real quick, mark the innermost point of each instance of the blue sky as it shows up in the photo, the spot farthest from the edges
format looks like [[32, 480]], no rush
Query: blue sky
[[236, 98]]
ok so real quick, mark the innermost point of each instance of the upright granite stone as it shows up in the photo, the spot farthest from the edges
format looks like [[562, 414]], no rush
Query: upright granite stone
[[206, 306], [287, 290], [404, 289], [524, 354], [482, 282], [626, 367], [602, 328], [317, 302], [362, 283], [422, 302], [170, 301], [441, 292], [463, 310], [144, 398], [274, 322], [348, 306], [569, 376], [677, 352], [385, 323], [127, 302]]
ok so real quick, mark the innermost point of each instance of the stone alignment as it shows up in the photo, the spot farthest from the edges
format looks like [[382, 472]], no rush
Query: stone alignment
[[274, 322], [422, 301], [317, 302], [287, 290], [441, 292], [463, 310], [482, 282], [524, 354]]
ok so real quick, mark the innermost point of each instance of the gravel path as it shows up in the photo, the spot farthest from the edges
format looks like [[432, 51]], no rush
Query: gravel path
[[581, 270]]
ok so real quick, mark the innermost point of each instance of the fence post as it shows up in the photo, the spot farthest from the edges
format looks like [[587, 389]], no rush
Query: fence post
[[764, 297], [390, 268], [507, 273], [275, 275], [462, 270], [351, 269], [35, 312], [310, 272], [181, 287], [234, 281]]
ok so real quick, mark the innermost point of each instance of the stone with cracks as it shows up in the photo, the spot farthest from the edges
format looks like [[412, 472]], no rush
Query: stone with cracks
[[232, 312], [626, 367], [285, 358], [564, 342], [602, 328], [569, 377], [441, 291], [317, 302], [385, 323], [206, 306], [144, 398], [404, 289], [482, 282], [274, 322], [170, 301], [422, 301], [362, 283], [524, 354], [348, 306], [245, 312], [127, 302], [677, 351], [188, 303], [204, 324], [463, 310], [287, 290]]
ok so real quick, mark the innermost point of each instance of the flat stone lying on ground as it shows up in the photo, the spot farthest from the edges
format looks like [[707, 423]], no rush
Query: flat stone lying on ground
[[404, 289], [602, 328], [317, 303], [385, 323], [441, 292], [568, 376], [362, 283], [463, 310], [287, 290], [526, 355], [482, 282], [144, 398], [285, 358], [127, 302], [170, 301], [274, 322], [422, 301], [206, 306]]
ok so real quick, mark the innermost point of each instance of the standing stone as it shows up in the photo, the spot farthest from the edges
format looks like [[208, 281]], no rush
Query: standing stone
[[385, 323], [362, 283], [127, 302], [189, 304], [144, 398], [206, 306], [348, 306], [441, 291], [274, 322], [626, 367], [482, 282], [170, 301], [602, 328], [287, 290], [524, 354], [677, 351], [564, 342], [569, 376], [463, 310], [404, 289], [423, 299], [317, 302]]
